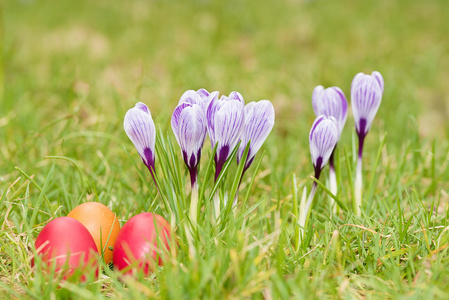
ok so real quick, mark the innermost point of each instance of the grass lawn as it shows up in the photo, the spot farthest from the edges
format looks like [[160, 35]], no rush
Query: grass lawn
[[73, 68]]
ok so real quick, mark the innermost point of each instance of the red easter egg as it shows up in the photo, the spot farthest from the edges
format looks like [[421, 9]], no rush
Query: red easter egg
[[66, 243], [141, 243]]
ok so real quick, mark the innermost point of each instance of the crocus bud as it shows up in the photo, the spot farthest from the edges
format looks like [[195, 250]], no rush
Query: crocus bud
[[201, 97], [139, 127], [331, 102], [189, 126], [259, 120], [225, 120], [366, 95], [323, 137]]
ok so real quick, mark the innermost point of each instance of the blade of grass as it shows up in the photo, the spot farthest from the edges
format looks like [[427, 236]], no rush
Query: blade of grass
[[40, 199], [341, 204]]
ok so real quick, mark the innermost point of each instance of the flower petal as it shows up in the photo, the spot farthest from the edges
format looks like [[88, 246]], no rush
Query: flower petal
[[175, 118], [203, 93], [139, 127], [259, 120], [143, 107], [206, 100], [225, 120], [212, 109], [191, 97], [366, 96], [201, 97], [191, 133], [323, 137], [315, 124], [236, 96], [331, 102], [379, 79]]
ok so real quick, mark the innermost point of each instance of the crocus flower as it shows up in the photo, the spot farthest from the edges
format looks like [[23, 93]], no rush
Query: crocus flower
[[322, 138], [331, 102], [189, 126], [225, 121], [366, 96], [259, 120], [139, 127], [201, 97]]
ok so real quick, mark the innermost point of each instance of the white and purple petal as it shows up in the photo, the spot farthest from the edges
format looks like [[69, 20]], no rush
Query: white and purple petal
[[259, 120], [331, 102], [139, 127], [201, 97], [191, 132], [323, 137], [379, 79], [366, 96], [228, 124], [175, 118], [236, 96], [225, 121], [203, 93], [191, 97]]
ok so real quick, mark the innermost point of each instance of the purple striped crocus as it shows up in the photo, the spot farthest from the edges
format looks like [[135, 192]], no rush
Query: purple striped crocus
[[366, 96], [139, 127], [189, 126], [225, 121], [331, 102], [322, 138], [259, 120]]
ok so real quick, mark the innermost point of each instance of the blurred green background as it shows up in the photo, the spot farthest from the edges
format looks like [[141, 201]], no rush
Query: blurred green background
[[73, 68]]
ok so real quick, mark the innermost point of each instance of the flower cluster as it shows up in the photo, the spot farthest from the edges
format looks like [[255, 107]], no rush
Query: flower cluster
[[230, 123], [227, 121], [331, 109]]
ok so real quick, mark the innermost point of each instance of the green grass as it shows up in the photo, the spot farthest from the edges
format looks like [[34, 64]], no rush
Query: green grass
[[72, 69]]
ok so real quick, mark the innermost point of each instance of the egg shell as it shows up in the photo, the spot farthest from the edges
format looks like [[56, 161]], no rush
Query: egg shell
[[102, 224], [66, 243], [142, 242]]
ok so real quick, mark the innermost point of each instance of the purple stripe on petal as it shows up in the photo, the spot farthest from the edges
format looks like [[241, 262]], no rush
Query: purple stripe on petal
[[259, 120], [315, 124], [203, 93], [142, 107], [379, 79], [175, 118], [149, 158], [223, 153], [236, 96]]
